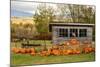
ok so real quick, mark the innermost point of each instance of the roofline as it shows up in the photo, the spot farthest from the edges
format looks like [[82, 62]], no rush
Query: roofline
[[69, 24], [64, 23]]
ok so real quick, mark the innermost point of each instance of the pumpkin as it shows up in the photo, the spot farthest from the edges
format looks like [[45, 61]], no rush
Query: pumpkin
[[65, 52], [13, 49], [69, 51], [85, 50], [32, 49], [28, 50], [33, 54], [55, 52], [76, 51], [44, 53], [90, 49], [17, 51], [74, 41], [23, 50]]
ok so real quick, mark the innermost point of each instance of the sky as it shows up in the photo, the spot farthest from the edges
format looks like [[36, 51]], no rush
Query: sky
[[28, 7], [22, 8]]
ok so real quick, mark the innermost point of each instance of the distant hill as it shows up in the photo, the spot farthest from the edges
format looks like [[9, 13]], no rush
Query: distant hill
[[22, 20]]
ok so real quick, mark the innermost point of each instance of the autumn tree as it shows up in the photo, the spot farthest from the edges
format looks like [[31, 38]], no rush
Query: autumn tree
[[43, 15], [78, 13]]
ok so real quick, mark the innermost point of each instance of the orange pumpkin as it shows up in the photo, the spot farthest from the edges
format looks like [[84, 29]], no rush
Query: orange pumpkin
[[28, 50], [44, 53], [88, 49], [23, 50], [69, 51], [65, 52], [33, 54], [55, 52], [32, 49], [74, 41], [17, 51], [13, 49], [76, 51]]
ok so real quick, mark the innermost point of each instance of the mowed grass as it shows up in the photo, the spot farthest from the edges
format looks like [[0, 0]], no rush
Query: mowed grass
[[42, 42], [26, 59]]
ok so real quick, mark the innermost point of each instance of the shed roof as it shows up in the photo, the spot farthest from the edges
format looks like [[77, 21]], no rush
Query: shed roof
[[69, 24], [76, 23]]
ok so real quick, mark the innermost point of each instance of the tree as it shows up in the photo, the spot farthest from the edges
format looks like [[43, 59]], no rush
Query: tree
[[68, 11], [43, 15], [78, 13], [21, 31], [82, 13]]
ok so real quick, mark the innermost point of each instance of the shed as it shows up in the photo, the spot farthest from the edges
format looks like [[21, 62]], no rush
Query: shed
[[62, 31]]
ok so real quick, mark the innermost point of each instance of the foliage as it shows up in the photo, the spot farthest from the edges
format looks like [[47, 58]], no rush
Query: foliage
[[43, 15], [22, 30], [78, 13]]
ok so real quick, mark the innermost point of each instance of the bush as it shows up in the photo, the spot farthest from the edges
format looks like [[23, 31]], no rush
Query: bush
[[42, 37]]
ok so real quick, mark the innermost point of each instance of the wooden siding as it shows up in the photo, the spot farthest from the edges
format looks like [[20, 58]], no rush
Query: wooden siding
[[57, 39]]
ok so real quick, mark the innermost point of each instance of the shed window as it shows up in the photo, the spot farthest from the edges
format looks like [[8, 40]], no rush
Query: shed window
[[83, 32], [63, 32], [73, 32]]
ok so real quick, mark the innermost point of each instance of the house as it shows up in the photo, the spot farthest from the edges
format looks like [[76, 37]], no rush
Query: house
[[62, 31]]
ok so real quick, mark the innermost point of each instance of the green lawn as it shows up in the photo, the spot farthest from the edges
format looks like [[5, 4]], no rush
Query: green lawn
[[25, 59], [18, 44]]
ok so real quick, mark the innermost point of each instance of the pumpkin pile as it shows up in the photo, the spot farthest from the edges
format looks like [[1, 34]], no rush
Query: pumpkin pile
[[88, 48], [30, 51], [74, 41], [69, 47], [67, 52], [55, 51]]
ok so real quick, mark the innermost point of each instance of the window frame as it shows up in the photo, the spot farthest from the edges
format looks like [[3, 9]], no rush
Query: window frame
[[73, 30], [82, 32], [62, 32]]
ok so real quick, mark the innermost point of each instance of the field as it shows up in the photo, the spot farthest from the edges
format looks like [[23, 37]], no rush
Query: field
[[26, 59]]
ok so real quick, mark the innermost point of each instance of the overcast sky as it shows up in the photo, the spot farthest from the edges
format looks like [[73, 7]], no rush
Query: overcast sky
[[28, 7]]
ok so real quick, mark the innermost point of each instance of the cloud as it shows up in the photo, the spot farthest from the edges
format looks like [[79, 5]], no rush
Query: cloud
[[28, 7], [25, 7]]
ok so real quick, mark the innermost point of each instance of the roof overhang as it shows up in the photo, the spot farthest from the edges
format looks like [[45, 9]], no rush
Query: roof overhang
[[69, 24]]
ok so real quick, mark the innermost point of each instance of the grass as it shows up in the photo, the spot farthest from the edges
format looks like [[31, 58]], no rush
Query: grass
[[18, 44], [26, 59]]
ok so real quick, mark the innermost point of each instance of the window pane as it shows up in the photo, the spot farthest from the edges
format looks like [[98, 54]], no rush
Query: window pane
[[63, 32], [83, 32], [73, 33], [66, 33]]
